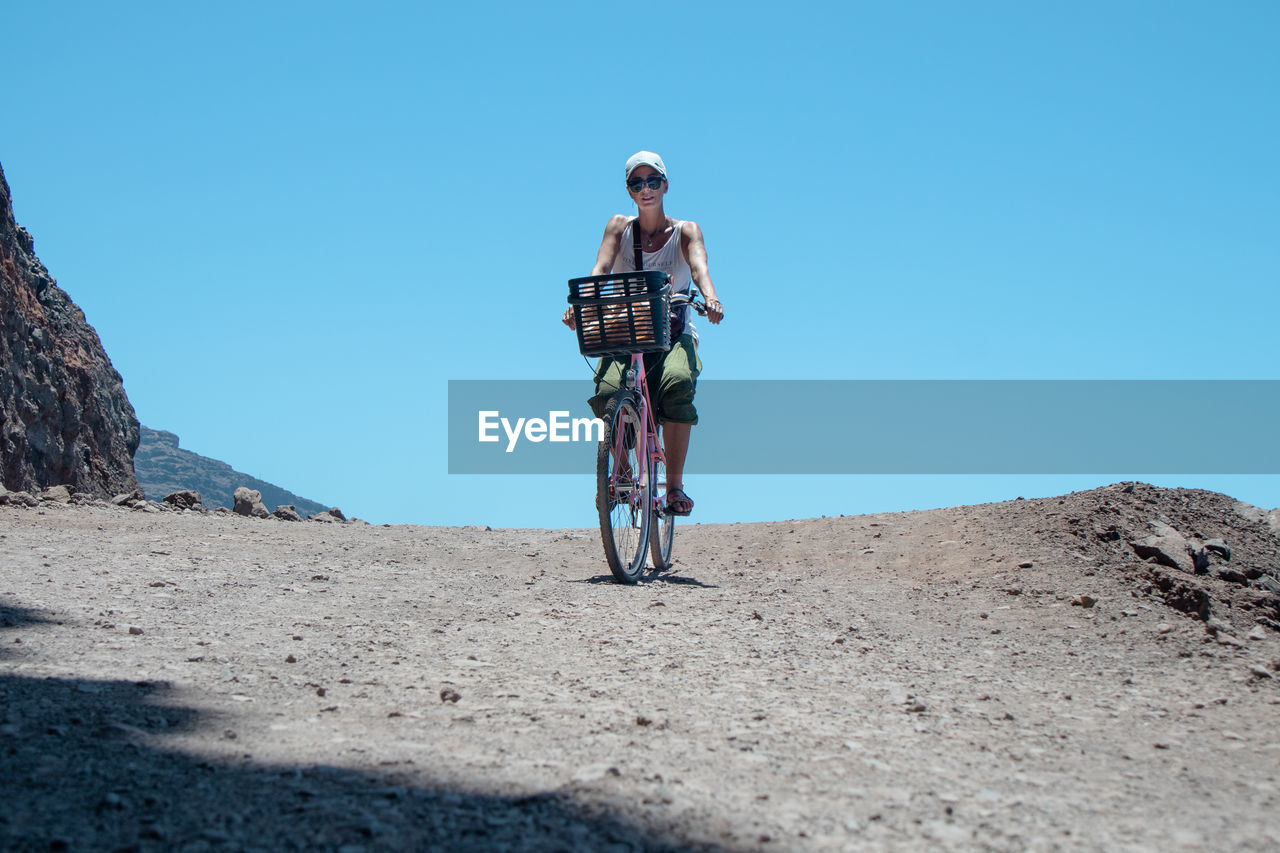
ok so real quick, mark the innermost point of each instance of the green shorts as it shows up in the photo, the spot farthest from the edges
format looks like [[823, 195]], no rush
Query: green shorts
[[672, 378]]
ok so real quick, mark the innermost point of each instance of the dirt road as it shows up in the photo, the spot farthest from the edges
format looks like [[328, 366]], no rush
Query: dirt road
[[972, 678]]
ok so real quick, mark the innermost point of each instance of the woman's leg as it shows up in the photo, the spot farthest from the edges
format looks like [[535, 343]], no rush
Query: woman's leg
[[674, 387]]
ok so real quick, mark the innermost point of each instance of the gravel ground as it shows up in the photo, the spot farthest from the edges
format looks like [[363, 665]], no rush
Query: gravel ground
[[1001, 677]]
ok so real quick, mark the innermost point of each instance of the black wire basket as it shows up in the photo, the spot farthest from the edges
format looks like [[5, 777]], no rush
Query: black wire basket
[[623, 313]]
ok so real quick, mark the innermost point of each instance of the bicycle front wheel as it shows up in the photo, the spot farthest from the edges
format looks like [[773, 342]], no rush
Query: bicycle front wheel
[[662, 527], [623, 490]]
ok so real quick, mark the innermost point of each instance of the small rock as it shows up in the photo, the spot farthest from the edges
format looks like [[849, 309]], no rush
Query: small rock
[[1110, 534], [1231, 575], [129, 498], [291, 659], [1249, 512], [56, 494], [1084, 600], [1219, 547], [287, 512], [1164, 628], [1257, 633], [337, 513], [448, 694], [249, 502], [135, 630], [1167, 547], [1268, 583], [184, 499], [1025, 564], [1260, 672], [592, 772]]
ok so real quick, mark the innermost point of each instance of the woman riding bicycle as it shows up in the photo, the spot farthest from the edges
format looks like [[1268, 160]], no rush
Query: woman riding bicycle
[[675, 247]]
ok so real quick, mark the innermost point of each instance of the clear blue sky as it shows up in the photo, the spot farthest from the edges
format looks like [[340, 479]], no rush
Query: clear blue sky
[[293, 223]]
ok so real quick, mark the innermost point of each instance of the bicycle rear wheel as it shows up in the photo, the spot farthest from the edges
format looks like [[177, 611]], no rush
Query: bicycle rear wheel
[[662, 527], [623, 490]]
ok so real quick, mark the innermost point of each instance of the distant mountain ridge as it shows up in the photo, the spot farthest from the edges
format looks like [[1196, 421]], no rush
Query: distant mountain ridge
[[163, 467]]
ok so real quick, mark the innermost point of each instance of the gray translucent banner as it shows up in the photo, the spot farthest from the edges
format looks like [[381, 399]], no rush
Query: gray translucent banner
[[895, 427]]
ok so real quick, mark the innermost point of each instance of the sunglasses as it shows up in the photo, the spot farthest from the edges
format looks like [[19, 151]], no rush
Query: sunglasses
[[653, 182]]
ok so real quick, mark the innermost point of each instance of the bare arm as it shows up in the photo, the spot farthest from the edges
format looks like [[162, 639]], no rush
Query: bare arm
[[695, 253], [609, 245], [605, 257]]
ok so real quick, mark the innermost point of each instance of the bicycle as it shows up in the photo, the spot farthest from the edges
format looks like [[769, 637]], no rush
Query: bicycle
[[627, 315]]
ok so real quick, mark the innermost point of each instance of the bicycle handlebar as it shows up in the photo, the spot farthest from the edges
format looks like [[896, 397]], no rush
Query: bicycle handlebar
[[698, 304]]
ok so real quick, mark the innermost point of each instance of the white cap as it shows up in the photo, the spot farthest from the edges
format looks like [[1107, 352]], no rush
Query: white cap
[[646, 158]]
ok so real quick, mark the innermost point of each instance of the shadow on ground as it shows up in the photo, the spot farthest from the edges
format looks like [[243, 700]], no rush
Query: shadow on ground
[[80, 769], [652, 576], [14, 616]]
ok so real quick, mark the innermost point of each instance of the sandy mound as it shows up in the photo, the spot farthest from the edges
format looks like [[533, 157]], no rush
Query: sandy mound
[[1089, 671]]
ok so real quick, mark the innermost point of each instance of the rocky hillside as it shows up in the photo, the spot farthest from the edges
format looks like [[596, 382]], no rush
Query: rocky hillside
[[163, 468], [64, 415]]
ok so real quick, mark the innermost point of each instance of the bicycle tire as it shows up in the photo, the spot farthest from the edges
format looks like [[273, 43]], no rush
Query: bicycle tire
[[662, 527], [624, 523]]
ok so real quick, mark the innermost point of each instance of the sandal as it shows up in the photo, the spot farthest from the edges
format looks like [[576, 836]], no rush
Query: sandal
[[678, 503]]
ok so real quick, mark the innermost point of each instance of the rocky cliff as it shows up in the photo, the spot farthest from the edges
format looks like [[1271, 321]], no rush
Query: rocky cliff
[[64, 415], [163, 468]]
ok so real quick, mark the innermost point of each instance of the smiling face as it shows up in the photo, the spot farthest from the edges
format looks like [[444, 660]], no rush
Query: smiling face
[[646, 195]]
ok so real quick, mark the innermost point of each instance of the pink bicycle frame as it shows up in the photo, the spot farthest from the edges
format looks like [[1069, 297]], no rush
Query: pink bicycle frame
[[647, 444]]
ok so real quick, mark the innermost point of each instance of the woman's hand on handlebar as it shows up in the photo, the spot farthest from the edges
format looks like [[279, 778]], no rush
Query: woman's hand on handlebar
[[567, 318], [715, 311], [712, 310]]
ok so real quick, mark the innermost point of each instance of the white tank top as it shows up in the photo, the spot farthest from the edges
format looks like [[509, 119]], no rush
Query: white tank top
[[669, 259]]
